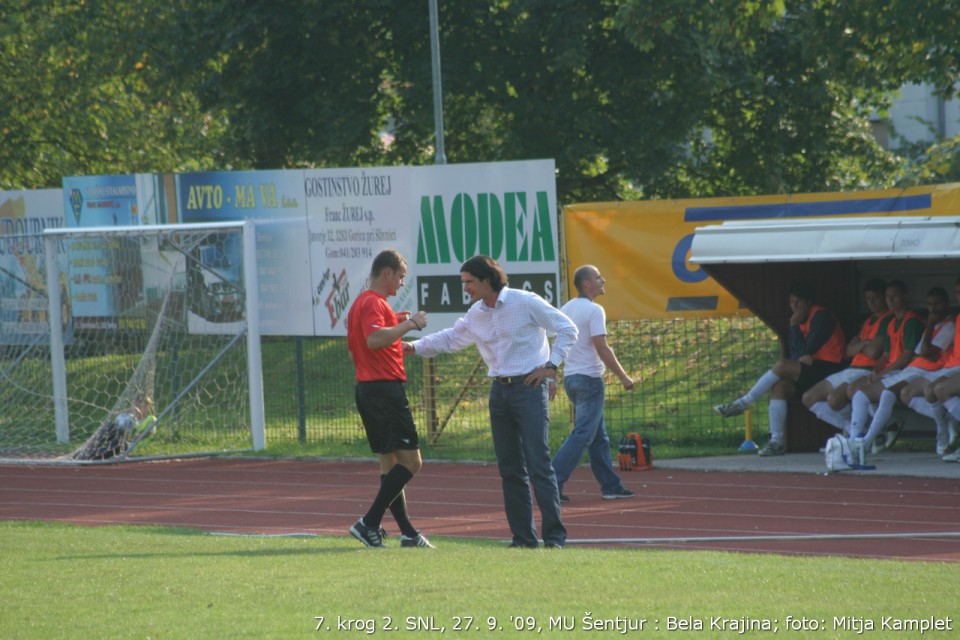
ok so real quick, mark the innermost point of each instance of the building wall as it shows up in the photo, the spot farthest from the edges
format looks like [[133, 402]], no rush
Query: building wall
[[918, 115]]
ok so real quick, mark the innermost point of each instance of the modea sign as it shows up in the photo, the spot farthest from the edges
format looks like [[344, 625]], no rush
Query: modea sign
[[437, 217], [515, 226]]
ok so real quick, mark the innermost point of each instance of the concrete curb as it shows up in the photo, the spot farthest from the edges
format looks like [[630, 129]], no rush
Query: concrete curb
[[888, 463]]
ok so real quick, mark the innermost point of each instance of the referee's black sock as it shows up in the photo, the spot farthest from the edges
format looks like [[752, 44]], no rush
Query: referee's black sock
[[390, 487], [399, 510]]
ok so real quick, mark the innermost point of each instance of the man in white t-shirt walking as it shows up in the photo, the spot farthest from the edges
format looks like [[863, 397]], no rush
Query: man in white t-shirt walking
[[583, 382]]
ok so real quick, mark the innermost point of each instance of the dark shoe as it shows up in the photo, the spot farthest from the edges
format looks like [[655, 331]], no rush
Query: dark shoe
[[892, 433], [622, 493], [564, 498], [418, 540], [367, 535], [520, 545], [553, 545], [772, 449]]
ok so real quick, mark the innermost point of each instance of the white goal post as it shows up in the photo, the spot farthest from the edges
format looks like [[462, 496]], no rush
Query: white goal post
[[176, 284]]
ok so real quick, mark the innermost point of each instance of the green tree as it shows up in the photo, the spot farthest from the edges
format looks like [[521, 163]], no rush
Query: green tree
[[81, 95], [302, 83], [632, 98], [782, 115], [681, 98]]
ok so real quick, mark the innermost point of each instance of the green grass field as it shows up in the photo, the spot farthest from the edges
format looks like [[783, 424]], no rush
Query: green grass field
[[62, 581]]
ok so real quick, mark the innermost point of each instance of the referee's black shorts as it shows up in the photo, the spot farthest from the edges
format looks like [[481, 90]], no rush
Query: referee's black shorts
[[386, 416]]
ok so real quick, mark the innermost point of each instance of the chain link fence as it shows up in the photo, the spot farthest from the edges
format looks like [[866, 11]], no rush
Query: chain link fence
[[681, 368]]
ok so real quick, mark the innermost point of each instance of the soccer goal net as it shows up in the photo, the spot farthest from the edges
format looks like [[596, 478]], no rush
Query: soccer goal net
[[154, 351]]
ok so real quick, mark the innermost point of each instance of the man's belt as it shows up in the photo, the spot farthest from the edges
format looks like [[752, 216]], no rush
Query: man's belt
[[512, 379]]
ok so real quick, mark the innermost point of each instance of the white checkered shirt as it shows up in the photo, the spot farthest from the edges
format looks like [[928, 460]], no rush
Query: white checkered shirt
[[511, 336]]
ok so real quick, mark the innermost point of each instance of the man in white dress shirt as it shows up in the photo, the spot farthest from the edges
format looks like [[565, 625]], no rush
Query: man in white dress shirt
[[510, 328]]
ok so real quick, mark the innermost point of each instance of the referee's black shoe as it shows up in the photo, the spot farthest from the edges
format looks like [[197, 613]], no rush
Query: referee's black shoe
[[369, 536]]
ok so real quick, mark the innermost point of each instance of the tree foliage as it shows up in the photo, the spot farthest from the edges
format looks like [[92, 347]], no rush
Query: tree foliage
[[632, 98], [80, 95]]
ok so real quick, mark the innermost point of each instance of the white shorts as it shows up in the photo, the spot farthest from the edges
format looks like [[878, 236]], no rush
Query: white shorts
[[846, 376], [904, 375], [941, 373]]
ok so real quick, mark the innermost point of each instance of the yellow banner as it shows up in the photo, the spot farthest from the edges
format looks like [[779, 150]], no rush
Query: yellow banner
[[643, 248]]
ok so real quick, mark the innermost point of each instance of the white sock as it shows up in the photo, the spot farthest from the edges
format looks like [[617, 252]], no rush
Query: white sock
[[778, 420], [860, 413], [761, 387], [922, 406], [940, 416], [823, 411], [952, 405], [933, 410], [888, 399], [938, 412], [845, 414]]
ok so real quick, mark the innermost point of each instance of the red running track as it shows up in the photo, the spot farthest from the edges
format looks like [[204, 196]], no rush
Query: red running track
[[875, 517]]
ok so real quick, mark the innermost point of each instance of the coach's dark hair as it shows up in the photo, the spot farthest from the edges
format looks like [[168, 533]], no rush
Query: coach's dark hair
[[939, 292], [387, 259], [485, 268]]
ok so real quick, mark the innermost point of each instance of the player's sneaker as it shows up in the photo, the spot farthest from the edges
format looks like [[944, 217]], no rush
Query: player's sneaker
[[948, 442], [942, 444], [418, 540], [952, 457], [621, 493], [731, 409], [892, 432], [772, 449], [367, 535]]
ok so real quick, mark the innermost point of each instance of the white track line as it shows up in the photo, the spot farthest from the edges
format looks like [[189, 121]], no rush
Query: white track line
[[812, 536]]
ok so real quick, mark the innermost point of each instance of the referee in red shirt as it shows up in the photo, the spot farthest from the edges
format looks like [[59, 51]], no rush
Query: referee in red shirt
[[373, 336]]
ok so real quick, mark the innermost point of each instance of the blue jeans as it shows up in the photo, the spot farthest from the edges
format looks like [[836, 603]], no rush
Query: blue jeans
[[519, 422], [587, 395]]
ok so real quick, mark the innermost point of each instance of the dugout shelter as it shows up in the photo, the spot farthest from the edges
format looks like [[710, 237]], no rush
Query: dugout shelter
[[757, 261]]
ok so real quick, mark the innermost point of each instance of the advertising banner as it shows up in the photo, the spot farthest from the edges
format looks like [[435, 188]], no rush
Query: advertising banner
[[23, 286], [437, 217], [317, 234], [275, 199], [102, 293]]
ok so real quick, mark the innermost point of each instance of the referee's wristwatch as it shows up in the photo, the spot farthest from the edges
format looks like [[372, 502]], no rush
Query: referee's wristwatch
[[550, 365]]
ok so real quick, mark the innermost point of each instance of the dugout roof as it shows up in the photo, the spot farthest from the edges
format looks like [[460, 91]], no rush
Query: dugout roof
[[825, 240], [757, 261]]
